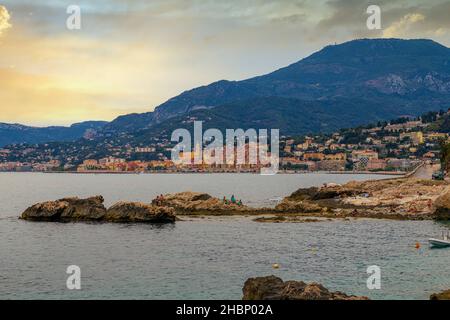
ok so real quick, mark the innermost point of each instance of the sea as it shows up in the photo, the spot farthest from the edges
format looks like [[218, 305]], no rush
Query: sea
[[208, 257]]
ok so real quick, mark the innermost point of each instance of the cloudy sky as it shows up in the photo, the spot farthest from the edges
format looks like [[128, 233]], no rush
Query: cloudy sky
[[131, 56]]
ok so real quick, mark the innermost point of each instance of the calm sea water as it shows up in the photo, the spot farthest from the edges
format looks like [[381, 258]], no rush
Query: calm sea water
[[206, 258]]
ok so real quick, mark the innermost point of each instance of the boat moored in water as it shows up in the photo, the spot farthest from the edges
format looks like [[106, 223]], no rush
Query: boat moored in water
[[440, 243]]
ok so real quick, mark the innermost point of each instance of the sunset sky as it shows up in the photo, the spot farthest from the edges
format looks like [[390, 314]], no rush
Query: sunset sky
[[130, 56]]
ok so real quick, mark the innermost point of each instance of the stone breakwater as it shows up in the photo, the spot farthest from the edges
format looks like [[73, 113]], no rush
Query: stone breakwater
[[273, 288]]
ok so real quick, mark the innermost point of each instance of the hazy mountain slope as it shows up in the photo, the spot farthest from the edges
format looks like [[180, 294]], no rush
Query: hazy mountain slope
[[413, 72], [16, 133], [339, 86], [292, 116]]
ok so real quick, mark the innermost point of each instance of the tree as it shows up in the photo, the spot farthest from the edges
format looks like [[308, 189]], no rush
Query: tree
[[445, 156]]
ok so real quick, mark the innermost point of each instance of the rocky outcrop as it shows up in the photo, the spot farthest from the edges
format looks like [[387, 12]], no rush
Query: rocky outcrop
[[67, 209], [92, 209], [444, 295], [327, 192], [192, 203], [303, 206], [442, 207], [273, 288], [402, 198], [84, 209], [139, 212]]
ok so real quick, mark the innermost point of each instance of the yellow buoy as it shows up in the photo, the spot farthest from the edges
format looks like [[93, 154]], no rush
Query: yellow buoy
[[276, 266]]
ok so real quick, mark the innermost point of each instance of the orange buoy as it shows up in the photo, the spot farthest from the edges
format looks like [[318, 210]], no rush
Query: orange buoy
[[417, 245]]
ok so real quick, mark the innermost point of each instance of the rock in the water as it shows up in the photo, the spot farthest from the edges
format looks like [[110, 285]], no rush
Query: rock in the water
[[68, 209], [45, 211], [399, 198], [329, 191], [304, 194], [442, 207], [139, 212], [199, 203], [92, 209], [444, 295], [84, 209], [273, 288]]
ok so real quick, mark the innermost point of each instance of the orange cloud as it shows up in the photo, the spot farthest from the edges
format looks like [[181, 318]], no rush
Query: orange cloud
[[4, 19], [36, 99], [64, 79]]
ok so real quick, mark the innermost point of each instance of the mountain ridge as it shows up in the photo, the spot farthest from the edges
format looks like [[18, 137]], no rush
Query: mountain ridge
[[380, 79], [15, 133], [363, 68]]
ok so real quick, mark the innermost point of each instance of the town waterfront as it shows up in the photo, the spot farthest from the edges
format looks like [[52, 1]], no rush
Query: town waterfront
[[204, 258]]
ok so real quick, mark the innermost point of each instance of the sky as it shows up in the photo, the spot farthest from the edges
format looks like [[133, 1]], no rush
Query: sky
[[132, 55]]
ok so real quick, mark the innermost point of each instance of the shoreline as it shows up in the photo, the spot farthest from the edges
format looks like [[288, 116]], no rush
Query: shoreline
[[385, 173], [406, 197]]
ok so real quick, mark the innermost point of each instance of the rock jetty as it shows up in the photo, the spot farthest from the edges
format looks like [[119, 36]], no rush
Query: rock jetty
[[273, 288], [92, 209]]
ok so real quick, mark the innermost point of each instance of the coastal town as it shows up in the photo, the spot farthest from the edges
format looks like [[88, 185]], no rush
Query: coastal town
[[396, 146]]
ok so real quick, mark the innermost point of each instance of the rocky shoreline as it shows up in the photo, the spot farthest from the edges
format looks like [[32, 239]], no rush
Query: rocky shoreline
[[401, 199], [273, 288]]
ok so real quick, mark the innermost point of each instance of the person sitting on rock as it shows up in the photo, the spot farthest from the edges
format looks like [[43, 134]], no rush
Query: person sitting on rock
[[239, 203], [224, 199], [159, 200]]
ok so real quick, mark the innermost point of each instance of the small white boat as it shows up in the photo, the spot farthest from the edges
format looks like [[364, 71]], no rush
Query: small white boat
[[439, 243]]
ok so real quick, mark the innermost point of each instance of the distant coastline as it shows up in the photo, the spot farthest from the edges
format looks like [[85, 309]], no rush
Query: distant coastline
[[392, 173]]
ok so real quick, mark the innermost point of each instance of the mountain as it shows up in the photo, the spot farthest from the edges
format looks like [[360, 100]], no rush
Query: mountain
[[380, 78], [345, 85], [291, 116], [17, 133]]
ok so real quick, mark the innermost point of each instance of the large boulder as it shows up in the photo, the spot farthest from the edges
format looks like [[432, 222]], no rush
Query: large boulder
[[444, 295], [139, 212], [442, 207], [67, 209], [92, 209], [304, 194], [199, 203], [84, 209], [329, 191], [273, 288], [45, 211]]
